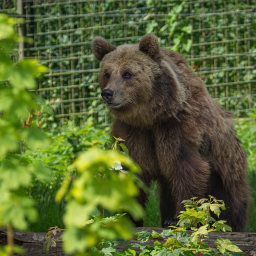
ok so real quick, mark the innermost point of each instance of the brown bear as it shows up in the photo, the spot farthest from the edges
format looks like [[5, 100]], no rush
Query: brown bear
[[173, 129]]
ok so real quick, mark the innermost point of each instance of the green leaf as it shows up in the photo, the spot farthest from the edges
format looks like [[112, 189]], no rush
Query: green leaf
[[143, 236], [158, 245], [109, 250], [6, 99], [166, 252], [23, 76], [191, 216], [163, 28], [220, 226], [40, 171], [130, 252], [49, 242], [187, 29], [170, 241], [78, 239], [5, 250], [150, 26], [186, 45], [77, 214], [215, 208], [177, 230], [146, 252], [124, 148], [119, 241], [6, 27], [178, 8], [205, 206], [132, 245], [201, 231], [13, 176], [187, 202], [15, 210], [226, 244], [183, 238], [194, 239], [173, 28], [177, 252], [155, 234], [35, 138], [165, 233], [8, 141]]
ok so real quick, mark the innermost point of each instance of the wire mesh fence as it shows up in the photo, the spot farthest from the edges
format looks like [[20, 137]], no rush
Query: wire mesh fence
[[8, 6], [218, 38]]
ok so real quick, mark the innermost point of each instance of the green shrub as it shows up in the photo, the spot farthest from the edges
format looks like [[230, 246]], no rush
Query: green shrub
[[246, 132], [60, 154], [197, 217], [97, 184], [16, 104]]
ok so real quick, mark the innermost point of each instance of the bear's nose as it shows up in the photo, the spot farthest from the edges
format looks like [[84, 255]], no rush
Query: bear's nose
[[107, 94]]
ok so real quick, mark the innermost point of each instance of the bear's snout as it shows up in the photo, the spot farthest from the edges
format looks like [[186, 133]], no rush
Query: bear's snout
[[107, 95]]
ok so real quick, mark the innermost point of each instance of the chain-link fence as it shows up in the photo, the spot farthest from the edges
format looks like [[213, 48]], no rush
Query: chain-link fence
[[218, 38]]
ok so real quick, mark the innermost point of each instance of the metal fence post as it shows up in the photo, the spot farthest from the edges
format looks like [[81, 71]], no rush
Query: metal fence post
[[20, 29]]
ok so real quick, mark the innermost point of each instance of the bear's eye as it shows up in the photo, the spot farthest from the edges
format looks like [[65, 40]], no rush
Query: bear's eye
[[127, 75], [107, 75]]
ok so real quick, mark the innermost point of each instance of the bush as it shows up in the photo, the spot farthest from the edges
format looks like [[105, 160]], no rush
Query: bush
[[63, 150], [246, 132], [16, 104]]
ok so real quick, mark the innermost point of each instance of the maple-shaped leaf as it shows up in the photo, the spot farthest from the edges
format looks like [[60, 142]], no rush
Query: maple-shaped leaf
[[226, 244], [143, 236], [49, 242], [194, 238], [155, 234], [221, 226], [215, 208], [130, 252]]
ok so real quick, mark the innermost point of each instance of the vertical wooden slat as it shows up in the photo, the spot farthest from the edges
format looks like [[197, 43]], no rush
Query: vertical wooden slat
[[20, 29]]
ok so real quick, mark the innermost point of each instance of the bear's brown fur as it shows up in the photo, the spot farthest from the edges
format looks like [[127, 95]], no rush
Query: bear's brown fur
[[173, 129]]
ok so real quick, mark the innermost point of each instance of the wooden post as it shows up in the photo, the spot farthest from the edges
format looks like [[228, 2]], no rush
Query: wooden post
[[20, 29]]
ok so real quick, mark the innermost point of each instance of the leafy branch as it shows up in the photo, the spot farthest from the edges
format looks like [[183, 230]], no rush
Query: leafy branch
[[196, 217]]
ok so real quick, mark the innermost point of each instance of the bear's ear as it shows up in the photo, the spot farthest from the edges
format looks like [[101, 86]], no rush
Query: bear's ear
[[149, 45], [101, 47]]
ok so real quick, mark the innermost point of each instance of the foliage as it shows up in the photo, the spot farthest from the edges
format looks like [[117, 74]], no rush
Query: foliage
[[179, 30], [223, 48], [51, 239], [197, 217], [60, 154], [246, 132], [97, 184], [229, 78], [152, 216], [16, 104], [63, 150]]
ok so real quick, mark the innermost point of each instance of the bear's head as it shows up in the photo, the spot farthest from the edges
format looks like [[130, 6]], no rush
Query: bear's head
[[141, 83]]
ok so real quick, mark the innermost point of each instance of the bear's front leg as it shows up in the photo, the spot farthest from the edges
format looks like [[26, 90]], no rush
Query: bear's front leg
[[188, 176]]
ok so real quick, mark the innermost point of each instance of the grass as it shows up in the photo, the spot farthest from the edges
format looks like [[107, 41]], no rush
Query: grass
[[153, 218]]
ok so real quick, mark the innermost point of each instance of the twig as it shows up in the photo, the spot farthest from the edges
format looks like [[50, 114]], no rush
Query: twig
[[10, 239]]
